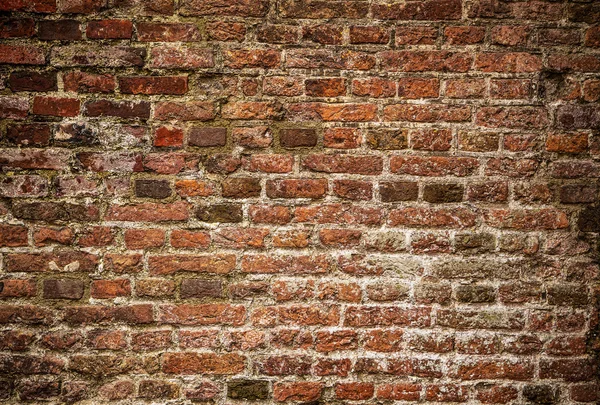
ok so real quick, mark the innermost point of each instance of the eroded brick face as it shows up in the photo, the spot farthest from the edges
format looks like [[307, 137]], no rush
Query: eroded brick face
[[299, 201]]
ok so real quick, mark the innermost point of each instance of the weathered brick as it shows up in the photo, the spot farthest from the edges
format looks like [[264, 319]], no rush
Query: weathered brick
[[50, 30], [181, 57], [22, 55], [123, 109], [296, 188], [16, 27], [153, 85], [109, 29], [32, 81]]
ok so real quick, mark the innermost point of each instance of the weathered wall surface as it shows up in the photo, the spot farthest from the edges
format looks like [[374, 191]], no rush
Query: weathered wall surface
[[301, 201]]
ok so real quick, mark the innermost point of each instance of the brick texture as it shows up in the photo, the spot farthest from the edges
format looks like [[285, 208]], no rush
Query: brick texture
[[299, 201]]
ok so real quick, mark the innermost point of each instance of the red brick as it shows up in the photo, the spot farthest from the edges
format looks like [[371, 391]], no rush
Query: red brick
[[239, 238], [167, 136], [591, 90], [32, 81], [429, 217], [353, 189], [81, 6], [465, 88], [204, 363], [512, 117], [251, 58], [383, 340], [567, 143], [558, 36], [45, 236], [270, 214], [333, 112], [417, 88], [592, 37], [314, 59], [419, 35], [252, 137], [193, 188], [226, 31], [277, 34], [110, 288], [96, 236], [304, 9], [169, 264], [14, 107], [340, 237], [95, 55], [27, 314], [269, 163], [343, 164], [202, 314], [342, 138], [296, 188], [244, 8], [338, 213], [13, 235], [16, 288], [261, 264], [325, 87], [297, 391], [422, 61], [433, 10], [399, 392], [66, 30], [511, 62], [323, 34], [22, 55], [446, 393], [373, 87], [510, 88], [496, 394], [510, 35], [192, 111], [17, 27], [109, 29], [431, 139], [468, 35], [547, 218], [148, 212], [574, 63], [123, 263], [181, 57], [354, 391], [59, 107], [167, 32], [144, 238], [113, 162], [426, 113], [433, 166], [251, 110], [153, 85], [123, 109], [359, 316], [369, 35], [83, 82]]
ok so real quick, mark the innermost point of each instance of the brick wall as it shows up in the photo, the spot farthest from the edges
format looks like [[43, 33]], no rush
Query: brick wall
[[302, 201]]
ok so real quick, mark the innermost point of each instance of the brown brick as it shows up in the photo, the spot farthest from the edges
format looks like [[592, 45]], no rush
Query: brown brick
[[63, 289]]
